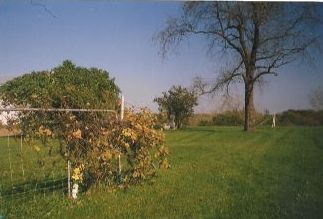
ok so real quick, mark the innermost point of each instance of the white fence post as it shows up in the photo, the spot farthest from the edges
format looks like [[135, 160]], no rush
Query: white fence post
[[121, 118], [273, 125], [122, 107]]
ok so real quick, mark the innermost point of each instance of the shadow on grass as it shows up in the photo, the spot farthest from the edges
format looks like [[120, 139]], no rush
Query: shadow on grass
[[35, 187]]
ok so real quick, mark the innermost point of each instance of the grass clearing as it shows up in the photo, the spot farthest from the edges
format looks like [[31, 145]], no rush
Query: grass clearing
[[216, 172]]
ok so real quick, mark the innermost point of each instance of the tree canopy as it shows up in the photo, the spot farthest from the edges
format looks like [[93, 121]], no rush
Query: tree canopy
[[259, 37], [66, 86]]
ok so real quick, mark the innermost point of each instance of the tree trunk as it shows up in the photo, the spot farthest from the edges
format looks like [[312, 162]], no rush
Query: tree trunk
[[249, 106], [178, 124]]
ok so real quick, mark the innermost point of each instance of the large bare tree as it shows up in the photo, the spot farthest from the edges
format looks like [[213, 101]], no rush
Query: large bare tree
[[258, 38]]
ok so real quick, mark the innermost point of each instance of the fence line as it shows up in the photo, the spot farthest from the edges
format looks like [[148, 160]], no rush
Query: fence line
[[15, 109], [53, 110]]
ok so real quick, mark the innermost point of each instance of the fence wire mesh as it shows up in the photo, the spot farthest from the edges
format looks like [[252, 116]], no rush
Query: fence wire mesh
[[34, 153]]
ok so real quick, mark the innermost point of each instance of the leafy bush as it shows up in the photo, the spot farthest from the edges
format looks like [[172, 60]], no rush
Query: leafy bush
[[66, 86], [92, 141], [141, 147]]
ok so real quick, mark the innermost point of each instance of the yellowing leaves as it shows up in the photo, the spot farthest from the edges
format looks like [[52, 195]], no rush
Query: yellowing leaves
[[162, 151], [36, 148], [45, 131], [164, 164], [140, 146], [107, 155], [77, 134], [130, 133], [77, 174], [34, 96], [105, 132]]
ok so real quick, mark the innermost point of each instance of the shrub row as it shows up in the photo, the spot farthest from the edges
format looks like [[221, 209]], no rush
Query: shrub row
[[236, 118]]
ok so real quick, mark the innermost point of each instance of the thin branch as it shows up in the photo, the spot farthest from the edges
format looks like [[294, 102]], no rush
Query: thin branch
[[226, 79], [222, 35], [43, 6]]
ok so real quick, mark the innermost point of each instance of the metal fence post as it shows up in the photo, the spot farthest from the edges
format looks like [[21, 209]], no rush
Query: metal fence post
[[122, 107], [121, 118]]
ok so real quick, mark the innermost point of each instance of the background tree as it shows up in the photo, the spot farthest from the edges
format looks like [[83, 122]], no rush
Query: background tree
[[177, 101], [316, 98], [259, 38]]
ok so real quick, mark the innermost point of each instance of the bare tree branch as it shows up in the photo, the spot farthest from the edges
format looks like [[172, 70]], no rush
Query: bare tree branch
[[44, 7]]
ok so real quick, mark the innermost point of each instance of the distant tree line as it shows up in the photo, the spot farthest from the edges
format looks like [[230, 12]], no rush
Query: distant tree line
[[286, 118]]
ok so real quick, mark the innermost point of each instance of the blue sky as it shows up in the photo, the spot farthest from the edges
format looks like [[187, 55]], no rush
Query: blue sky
[[116, 36]]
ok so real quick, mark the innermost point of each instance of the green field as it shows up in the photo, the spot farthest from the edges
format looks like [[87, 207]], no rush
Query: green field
[[216, 172]]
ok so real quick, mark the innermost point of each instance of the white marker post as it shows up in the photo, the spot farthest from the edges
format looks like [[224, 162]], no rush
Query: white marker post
[[274, 121]]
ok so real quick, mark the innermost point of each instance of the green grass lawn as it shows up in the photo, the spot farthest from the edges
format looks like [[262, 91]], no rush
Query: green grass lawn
[[216, 172]]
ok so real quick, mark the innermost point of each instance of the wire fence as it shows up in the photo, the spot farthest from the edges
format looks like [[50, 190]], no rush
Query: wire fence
[[35, 166], [28, 168]]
